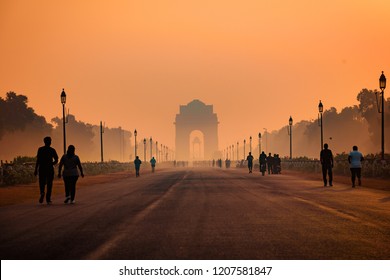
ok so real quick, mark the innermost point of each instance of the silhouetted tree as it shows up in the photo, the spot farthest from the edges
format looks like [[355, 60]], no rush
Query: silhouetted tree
[[21, 129], [78, 133]]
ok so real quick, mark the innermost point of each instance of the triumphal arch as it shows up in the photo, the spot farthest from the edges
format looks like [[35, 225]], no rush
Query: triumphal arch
[[198, 119]]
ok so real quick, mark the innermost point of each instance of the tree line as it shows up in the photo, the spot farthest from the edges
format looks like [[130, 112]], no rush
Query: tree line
[[22, 130], [358, 125]]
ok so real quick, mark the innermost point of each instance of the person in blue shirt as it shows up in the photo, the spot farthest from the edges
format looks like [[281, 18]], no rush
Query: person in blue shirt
[[249, 158], [355, 159], [153, 163], [137, 165]]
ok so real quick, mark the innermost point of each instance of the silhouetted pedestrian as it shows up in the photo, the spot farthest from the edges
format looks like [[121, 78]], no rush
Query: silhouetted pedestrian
[[153, 163], [277, 164], [263, 163], [326, 158], [355, 159], [270, 163], [137, 165], [249, 158], [46, 159], [70, 161]]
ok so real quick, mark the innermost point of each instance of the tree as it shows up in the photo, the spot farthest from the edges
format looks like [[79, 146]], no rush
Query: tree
[[21, 129]]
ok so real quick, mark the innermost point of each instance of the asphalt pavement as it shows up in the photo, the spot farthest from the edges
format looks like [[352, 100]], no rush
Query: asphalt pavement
[[202, 213]]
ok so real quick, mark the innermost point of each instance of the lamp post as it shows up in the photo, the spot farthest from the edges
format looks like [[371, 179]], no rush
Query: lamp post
[[63, 101], [320, 110], [238, 152], [151, 147], [259, 144], [157, 150], [144, 149], [101, 141], [233, 152], [244, 148], [382, 86], [290, 123], [266, 139], [250, 144], [135, 143]]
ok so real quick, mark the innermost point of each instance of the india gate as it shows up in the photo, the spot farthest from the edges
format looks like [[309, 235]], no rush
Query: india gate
[[196, 132]]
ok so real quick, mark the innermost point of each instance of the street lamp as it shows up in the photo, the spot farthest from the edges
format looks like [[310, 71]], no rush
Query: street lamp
[[151, 147], [101, 141], [259, 144], [233, 151], [382, 86], [238, 152], [144, 149], [320, 110], [250, 144], [290, 123], [63, 101], [244, 148], [266, 139], [135, 143], [157, 151]]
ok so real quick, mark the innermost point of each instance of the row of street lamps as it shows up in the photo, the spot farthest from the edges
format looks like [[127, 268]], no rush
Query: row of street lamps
[[162, 154], [164, 149], [231, 147], [381, 109]]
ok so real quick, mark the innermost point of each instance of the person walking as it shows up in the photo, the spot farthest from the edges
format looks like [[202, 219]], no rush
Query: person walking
[[355, 159], [44, 167], [153, 163], [137, 165], [326, 159], [70, 161], [270, 163], [249, 158], [263, 163]]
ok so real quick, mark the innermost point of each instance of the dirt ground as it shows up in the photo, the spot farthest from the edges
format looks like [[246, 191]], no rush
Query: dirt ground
[[10, 195]]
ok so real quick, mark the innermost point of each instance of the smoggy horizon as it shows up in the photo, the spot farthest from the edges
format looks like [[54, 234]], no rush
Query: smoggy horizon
[[132, 64]]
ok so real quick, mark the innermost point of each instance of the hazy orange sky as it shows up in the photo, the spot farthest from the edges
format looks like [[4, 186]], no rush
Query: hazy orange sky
[[132, 63]]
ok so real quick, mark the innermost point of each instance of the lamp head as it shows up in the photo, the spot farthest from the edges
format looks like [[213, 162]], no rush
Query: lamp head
[[63, 97], [320, 107], [382, 81]]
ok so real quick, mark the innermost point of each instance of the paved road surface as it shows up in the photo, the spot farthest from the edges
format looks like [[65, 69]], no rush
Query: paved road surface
[[203, 214]]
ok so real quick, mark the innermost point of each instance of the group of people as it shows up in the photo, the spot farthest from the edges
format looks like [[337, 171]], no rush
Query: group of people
[[272, 163], [138, 162], [68, 169], [355, 159]]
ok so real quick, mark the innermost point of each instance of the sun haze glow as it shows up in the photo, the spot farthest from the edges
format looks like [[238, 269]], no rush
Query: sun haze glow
[[132, 63]]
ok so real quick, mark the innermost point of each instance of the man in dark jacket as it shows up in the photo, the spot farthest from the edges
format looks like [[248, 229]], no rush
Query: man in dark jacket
[[137, 165], [326, 158], [46, 159]]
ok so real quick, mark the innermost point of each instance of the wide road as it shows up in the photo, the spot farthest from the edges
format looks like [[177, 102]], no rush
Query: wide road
[[203, 214]]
